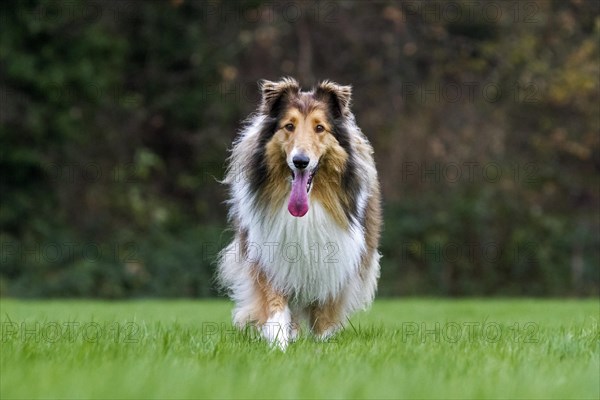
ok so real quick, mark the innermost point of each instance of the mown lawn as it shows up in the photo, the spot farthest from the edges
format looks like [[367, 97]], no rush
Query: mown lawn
[[407, 348]]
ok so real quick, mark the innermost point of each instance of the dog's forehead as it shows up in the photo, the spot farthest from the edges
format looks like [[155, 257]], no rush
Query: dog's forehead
[[306, 102], [316, 115]]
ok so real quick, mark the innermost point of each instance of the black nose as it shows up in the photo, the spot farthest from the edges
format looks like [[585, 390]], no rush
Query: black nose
[[301, 161]]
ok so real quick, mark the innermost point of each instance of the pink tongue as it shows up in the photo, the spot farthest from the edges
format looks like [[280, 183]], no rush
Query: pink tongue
[[298, 205]]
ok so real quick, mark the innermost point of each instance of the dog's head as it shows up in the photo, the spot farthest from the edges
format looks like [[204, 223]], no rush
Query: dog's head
[[308, 134]]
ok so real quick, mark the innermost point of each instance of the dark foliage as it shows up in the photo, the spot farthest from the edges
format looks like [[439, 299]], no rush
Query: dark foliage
[[116, 118]]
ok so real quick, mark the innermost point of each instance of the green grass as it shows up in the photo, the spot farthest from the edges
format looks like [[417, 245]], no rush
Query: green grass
[[186, 349]]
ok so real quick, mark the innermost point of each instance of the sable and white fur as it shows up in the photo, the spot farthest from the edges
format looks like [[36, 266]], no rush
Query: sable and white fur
[[287, 265]]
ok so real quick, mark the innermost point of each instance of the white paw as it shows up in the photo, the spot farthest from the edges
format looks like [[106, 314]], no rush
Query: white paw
[[277, 330]]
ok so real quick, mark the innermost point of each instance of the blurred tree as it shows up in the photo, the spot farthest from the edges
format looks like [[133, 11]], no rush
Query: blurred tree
[[116, 118]]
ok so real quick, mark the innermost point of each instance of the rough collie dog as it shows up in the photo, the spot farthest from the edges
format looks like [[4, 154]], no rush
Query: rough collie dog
[[305, 206]]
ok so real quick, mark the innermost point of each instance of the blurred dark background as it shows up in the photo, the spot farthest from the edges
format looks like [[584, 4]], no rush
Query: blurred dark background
[[116, 118]]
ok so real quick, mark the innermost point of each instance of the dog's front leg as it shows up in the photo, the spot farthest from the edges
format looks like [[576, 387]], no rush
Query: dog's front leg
[[325, 319], [277, 329]]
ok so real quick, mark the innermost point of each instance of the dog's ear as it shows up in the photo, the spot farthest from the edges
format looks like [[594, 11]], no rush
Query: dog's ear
[[337, 96], [273, 94]]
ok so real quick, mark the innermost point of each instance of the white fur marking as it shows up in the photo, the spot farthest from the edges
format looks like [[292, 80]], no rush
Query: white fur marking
[[277, 329], [310, 258]]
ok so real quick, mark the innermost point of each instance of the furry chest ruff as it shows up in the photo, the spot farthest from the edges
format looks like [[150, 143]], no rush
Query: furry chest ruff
[[308, 259]]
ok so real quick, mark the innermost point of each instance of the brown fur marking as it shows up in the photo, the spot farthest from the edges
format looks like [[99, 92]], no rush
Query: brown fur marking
[[325, 316], [306, 114]]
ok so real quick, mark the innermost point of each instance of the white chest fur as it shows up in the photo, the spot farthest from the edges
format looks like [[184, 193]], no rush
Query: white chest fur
[[311, 258]]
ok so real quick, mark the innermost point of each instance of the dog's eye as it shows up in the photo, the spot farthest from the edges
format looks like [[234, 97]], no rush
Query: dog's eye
[[289, 127], [319, 128]]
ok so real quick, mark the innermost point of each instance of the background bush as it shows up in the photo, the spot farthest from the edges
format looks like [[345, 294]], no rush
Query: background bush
[[116, 118]]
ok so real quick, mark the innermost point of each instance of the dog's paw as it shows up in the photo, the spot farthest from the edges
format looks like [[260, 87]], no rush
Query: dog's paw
[[294, 331], [328, 333], [277, 330]]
